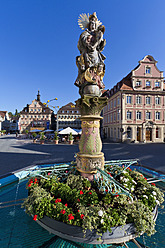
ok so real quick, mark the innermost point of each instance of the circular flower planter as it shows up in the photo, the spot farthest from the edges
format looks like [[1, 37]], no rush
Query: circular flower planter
[[74, 233]]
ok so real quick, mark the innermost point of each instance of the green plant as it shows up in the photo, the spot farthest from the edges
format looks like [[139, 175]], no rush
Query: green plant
[[55, 135], [74, 200], [70, 136], [34, 135], [26, 131], [42, 136]]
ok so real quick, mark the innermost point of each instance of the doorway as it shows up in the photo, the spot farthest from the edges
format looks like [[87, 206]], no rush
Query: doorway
[[138, 134], [148, 134]]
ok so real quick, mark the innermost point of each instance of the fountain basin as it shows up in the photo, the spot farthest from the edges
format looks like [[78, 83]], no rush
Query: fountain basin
[[118, 234]]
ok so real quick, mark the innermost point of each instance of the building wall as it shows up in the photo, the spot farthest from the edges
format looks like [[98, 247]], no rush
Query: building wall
[[142, 106], [68, 116], [35, 116]]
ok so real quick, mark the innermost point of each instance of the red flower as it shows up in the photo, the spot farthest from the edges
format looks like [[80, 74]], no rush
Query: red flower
[[116, 195], [90, 193], [63, 211], [81, 192], [57, 200], [35, 180], [153, 184], [145, 178], [109, 174], [49, 173], [70, 217], [35, 217], [66, 204], [66, 171], [82, 216], [78, 200], [78, 210], [106, 190], [29, 185]]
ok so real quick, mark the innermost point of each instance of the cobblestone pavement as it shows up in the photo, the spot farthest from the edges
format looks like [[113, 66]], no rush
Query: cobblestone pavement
[[16, 154]]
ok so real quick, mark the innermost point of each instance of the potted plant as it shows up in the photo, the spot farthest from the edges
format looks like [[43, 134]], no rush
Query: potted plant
[[34, 137], [76, 206], [42, 138], [56, 137], [26, 132], [3, 132], [70, 139]]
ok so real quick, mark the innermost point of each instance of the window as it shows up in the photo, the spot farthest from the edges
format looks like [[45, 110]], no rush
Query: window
[[111, 104], [129, 99], [157, 100], [118, 100], [148, 115], [138, 99], [118, 114], [148, 100], [148, 84], [31, 110], [114, 116], [114, 103], [129, 115], [138, 115], [111, 117], [148, 70], [157, 132], [138, 83], [118, 132], [157, 115], [157, 84]]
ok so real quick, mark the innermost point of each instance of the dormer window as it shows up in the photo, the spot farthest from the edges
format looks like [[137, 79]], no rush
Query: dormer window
[[157, 84], [138, 83], [148, 70], [148, 84]]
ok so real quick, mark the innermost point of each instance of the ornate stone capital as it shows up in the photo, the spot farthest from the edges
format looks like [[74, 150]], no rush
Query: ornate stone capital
[[91, 105]]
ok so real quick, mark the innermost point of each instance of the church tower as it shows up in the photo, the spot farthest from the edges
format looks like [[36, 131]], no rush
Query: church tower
[[38, 96]]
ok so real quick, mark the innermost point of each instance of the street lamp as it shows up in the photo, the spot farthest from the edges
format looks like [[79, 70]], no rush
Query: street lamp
[[55, 107]]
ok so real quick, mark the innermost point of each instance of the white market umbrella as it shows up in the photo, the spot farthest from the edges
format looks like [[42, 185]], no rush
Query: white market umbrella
[[68, 130], [35, 131], [48, 130]]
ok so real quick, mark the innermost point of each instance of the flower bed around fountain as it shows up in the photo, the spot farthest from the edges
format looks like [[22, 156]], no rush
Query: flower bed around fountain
[[74, 208]]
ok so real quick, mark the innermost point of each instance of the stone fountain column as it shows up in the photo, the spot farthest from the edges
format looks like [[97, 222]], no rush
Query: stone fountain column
[[90, 156], [91, 70]]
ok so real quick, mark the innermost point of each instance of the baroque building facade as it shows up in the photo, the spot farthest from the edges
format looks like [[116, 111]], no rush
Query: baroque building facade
[[35, 116], [67, 116], [136, 107]]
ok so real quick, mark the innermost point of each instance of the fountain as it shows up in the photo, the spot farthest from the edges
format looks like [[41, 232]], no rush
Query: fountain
[[92, 201]]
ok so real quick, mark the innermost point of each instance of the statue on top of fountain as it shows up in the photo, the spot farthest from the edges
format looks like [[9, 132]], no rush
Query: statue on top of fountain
[[90, 63]]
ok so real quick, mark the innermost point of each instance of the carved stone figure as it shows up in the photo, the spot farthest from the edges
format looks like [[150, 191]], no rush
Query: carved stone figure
[[90, 63]]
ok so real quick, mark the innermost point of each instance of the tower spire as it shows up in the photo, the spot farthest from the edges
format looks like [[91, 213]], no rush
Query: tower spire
[[38, 96]]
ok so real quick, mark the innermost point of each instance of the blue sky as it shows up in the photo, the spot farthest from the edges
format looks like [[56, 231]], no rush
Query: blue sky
[[38, 45]]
